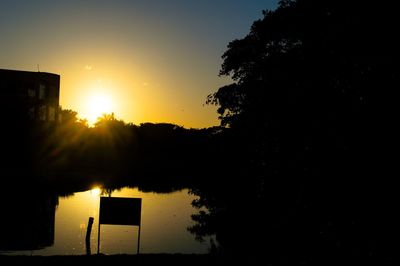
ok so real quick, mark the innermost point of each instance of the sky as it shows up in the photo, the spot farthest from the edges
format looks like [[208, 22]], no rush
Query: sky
[[146, 61]]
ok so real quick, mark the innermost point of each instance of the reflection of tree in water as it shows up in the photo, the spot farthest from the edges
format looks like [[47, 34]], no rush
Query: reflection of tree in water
[[233, 215], [161, 185]]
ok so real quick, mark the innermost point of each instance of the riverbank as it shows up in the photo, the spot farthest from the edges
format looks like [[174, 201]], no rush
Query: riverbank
[[95, 260]]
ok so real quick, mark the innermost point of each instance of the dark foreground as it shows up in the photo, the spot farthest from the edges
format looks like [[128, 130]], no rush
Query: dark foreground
[[148, 259]]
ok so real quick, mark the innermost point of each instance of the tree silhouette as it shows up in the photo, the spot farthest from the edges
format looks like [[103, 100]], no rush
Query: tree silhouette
[[107, 120], [309, 114], [68, 116]]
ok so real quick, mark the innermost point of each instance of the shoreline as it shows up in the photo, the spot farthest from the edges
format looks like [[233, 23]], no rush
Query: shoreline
[[141, 259]]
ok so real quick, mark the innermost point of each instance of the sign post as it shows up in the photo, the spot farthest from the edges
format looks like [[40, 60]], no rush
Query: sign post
[[120, 211]]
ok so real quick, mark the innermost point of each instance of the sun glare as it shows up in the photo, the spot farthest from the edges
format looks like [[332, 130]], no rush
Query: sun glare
[[95, 191], [98, 105]]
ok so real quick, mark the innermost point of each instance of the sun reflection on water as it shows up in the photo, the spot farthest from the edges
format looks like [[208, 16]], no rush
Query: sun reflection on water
[[95, 192], [165, 218]]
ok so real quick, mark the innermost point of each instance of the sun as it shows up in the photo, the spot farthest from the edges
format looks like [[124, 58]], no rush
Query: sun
[[97, 105]]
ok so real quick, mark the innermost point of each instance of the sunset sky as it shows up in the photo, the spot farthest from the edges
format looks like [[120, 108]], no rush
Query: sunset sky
[[146, 61]]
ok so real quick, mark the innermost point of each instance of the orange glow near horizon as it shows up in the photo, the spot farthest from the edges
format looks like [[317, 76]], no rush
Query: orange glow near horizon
[[132, 94]]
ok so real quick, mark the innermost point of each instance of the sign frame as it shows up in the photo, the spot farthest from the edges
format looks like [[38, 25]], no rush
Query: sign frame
[[120, 211]]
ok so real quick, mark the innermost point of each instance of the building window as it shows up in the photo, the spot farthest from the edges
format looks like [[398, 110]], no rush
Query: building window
[[31, 112], [52, 114], [52, 92], [42, 91], [31, 93], [42, 113]]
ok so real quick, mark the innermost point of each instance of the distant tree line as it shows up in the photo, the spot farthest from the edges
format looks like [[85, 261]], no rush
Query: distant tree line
[[115, 148]]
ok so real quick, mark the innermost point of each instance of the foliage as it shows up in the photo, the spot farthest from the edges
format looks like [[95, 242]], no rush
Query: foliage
[[309, 116], [112, 147], [108, 120]]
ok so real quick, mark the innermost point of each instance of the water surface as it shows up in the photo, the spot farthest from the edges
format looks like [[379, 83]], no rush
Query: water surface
[[165, 218]]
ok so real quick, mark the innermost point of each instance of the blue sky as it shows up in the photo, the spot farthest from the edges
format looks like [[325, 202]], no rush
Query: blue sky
[[158, 60]]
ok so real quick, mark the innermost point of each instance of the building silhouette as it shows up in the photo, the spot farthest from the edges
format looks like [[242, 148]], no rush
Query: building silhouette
[[29, 109], [29, 96]]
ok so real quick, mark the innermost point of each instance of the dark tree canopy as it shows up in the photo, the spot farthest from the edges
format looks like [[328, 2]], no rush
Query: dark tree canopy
[[311, 113], [314, 85], [308, 56]]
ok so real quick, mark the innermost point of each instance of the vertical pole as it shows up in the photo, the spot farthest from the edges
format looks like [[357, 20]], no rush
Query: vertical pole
[[98, 232], [98, 241], [88, 232], [89, 228], [138, 242]]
